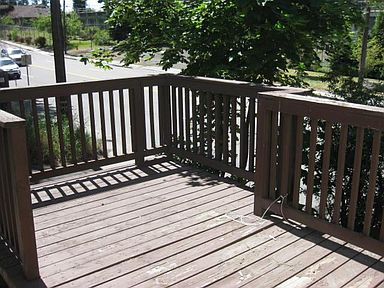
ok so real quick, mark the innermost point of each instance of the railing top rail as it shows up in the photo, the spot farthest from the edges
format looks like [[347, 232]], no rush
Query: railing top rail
[[334, 110], [326, 102], [65, 89], [227, 87], [8, 120]]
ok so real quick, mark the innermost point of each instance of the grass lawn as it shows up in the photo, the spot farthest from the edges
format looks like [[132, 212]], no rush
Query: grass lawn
[[316, 80]]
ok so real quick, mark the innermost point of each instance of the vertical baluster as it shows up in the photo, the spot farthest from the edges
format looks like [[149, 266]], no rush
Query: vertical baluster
[[187, 120], [226, 129], [36, 129], [174, 117], [372, 182], [113, 122], [60, 132], [22, 109], [122, 122], [102, 123], [181, 117], [209, 125], [164, 104], [49, 133], [23, 115], [71, 130], [252, 134], [243, 135], [340, 172], [233, 130], [201, 121], [356, 178], [273, 156], [218, 127], [298, 160], [311, 165], [152, 117], [132, 114], [9, 107], [194, 121], [82, 127], [325, 169], [93, 125]]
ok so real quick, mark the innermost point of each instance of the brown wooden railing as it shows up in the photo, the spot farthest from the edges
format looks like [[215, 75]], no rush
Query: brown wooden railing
[[77, 126], [214, 123], [17, 235], [304, 147]]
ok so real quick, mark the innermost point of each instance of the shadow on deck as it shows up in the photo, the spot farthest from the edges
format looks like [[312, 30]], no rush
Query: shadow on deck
[[167, 224]]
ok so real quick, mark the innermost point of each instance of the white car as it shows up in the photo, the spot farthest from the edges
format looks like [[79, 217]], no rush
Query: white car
[[9, 66], [13, 53]]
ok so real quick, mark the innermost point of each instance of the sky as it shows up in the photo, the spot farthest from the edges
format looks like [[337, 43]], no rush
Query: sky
[[90, 4]]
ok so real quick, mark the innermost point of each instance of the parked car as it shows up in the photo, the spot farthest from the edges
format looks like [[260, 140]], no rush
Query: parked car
[[8, 65], [13, 53]]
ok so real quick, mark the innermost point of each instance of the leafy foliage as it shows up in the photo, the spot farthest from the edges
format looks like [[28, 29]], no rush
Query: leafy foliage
[[6, 20], [43, 23], [250, 40], [74, 26], [100, 58]]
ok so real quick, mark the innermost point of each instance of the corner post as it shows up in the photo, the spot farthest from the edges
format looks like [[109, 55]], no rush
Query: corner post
[[165, 113], [139, 127], [263, 152], [22, 199]]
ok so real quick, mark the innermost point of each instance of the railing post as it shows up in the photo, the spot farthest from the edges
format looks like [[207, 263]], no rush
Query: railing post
[[165, 114], [22, 199], [263, 152], [139, 127]]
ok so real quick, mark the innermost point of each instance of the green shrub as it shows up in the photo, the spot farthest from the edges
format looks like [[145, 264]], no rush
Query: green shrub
[[28, 40], [14, 35], [32, 143], [375, 60], [41, 42], [102, 37]]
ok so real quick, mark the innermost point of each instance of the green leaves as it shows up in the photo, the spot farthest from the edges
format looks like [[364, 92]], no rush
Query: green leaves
[[236, 39]]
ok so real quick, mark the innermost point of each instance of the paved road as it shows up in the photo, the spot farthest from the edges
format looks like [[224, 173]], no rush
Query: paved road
[[42, 71]]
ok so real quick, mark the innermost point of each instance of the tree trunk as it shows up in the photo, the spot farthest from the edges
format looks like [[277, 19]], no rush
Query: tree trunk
[[364, 45]]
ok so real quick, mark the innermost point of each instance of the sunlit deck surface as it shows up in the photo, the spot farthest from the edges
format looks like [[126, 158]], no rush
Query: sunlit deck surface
[[166, 225]]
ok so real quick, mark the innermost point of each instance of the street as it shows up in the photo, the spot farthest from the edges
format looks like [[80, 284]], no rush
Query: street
[[42, 71]]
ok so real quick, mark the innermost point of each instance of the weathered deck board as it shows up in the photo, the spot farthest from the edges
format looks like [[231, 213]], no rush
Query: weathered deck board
[[166, 224]]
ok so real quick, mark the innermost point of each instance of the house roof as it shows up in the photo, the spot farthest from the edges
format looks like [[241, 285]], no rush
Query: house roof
[[29, 11]]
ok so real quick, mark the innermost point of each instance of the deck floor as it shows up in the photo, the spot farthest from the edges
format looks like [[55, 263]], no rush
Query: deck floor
[[173, 225]]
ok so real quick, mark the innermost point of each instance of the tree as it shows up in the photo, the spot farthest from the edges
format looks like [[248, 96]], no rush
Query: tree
[[43, 23], [249, 40], [74, 26]]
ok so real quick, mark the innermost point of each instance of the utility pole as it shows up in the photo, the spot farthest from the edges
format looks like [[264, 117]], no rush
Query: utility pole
[[58, 41], [65, 28]]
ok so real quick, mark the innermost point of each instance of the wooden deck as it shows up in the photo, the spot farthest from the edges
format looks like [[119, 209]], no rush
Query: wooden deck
[[172, 225]]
